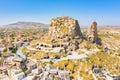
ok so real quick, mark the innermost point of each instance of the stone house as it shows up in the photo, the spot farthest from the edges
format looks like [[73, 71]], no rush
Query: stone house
[[16, 74]]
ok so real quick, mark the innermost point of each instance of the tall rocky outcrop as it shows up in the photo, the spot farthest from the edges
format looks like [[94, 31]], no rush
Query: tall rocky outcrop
[[92, 33], [61, 27]]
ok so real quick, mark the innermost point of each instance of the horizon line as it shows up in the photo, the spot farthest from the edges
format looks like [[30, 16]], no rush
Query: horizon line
[[107, 25]]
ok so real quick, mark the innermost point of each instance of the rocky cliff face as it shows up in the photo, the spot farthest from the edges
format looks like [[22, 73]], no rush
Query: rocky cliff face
[[61, 27], [65, 32], [92, 32]]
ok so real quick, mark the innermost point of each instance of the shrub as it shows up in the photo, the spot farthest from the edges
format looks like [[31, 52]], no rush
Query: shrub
[[5, 50], [14, 50]]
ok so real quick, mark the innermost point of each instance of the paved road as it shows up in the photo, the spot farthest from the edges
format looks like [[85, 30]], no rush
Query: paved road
[[19, 53], [73, 56]]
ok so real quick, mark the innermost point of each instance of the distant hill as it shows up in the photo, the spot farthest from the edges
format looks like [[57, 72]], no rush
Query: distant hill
[[25, 25]]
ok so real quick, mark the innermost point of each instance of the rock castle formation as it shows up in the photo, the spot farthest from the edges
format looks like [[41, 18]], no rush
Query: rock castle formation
[[66, 32], [64, 26]]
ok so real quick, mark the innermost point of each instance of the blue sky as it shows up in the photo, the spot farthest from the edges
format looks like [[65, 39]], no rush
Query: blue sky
[[105, 12]]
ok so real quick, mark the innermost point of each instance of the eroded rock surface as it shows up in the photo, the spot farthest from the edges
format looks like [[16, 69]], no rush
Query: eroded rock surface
[[61, 27], [92, 32]]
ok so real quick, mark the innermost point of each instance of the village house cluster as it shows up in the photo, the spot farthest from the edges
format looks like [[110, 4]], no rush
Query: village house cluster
[[19, 69]]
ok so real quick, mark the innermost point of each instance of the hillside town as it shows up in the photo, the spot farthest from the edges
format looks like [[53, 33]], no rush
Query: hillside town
[[63, 51]]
